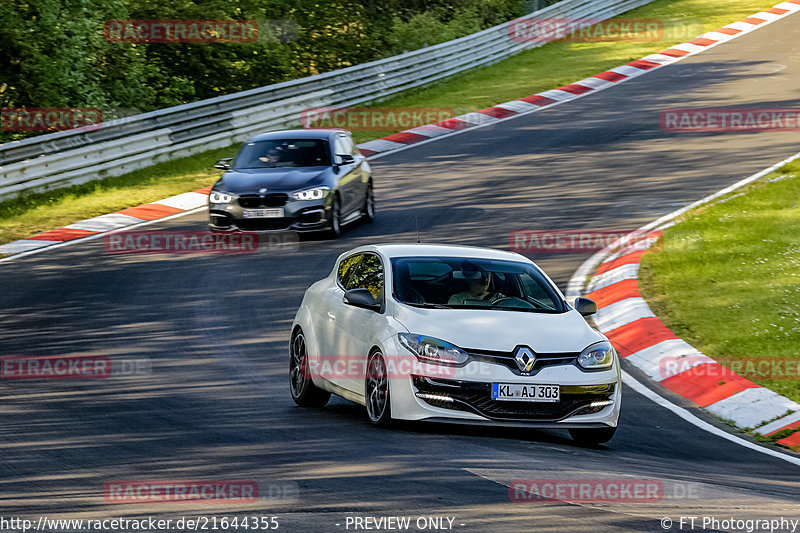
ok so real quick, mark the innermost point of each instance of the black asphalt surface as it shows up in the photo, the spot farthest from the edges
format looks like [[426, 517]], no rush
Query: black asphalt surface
[[216, 328]]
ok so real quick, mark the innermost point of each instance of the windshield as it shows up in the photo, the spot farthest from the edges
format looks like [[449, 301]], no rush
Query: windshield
[[456, 282], [279, 153]]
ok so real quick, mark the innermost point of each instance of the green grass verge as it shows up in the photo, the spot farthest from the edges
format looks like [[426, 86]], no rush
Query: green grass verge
[[35, 213], [774, 438], [548, 67], [727, 279]]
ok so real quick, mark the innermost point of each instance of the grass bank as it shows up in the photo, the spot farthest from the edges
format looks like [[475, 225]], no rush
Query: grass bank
[[728, 280]]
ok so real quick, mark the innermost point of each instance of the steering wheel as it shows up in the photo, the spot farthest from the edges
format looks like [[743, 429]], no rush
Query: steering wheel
[[536, 302], [517, 301]]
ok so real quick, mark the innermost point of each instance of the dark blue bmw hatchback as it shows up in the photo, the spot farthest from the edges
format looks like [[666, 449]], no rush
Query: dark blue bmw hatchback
[[297, 180]]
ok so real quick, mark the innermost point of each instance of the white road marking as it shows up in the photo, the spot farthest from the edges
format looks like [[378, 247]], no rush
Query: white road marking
[[702, 424], [579, 278]]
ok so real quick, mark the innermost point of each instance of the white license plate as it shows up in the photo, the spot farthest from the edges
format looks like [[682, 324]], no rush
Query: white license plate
[[276, 212], [525, 393]]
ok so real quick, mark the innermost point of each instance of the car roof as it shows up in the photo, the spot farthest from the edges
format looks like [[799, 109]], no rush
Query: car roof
[[392, 250], [297, 134]]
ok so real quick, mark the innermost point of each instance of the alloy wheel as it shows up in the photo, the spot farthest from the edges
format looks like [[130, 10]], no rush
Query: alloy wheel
[[299, 366], [377, 389]]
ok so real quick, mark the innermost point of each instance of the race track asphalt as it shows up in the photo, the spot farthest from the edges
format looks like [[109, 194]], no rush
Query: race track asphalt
[[216, 327]]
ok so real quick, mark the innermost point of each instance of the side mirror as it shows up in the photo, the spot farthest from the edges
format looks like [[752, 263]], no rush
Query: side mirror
[[585, 306], [224, 164], [346, 159], [361, 298]]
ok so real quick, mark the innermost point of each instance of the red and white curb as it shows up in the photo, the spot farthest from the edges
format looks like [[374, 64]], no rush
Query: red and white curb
[[127, 218], [642, 340], [196, 200]]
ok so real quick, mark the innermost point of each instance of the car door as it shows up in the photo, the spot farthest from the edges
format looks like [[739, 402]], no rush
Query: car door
[[362, 168], [350, 186], [331, 344], [357, 328]]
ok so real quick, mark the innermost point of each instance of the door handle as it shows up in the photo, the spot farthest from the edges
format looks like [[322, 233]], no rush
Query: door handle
[[331, 316]]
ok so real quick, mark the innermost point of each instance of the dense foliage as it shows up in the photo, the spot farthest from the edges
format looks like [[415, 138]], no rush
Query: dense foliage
[[53, 53]]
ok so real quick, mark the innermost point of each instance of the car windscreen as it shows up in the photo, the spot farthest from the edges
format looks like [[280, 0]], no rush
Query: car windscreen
[[469, 283], [278, 153]]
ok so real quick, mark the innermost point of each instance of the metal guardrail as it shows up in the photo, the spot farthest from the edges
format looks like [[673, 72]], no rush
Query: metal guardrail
[[116, 147]]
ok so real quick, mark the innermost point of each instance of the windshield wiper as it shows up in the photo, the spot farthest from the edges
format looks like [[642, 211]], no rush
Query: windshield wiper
[[524, 309]]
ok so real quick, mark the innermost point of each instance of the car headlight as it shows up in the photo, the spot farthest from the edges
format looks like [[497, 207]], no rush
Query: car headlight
[[431, 350], [597, 356], [220, 198], [317, 193]]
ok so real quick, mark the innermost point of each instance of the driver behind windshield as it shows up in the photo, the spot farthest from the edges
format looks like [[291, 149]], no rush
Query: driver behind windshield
[[479, 282], [272, 158]]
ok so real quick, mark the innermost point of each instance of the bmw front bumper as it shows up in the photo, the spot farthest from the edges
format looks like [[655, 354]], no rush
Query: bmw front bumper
[[298, 215]]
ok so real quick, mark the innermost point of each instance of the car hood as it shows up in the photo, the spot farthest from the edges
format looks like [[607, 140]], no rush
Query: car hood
[[501, 330], [274, 179]]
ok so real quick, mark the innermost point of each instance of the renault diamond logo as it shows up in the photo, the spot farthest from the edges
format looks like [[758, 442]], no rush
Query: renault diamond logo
[[525, 359]]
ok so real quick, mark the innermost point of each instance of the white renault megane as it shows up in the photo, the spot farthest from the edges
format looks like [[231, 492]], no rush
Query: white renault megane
[[454, 334]]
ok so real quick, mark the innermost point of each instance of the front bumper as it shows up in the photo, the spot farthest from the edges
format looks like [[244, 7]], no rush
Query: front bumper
[[463, 395], [299, 215], [475, 397]]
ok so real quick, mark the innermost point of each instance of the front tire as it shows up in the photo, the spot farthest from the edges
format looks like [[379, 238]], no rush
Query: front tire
[[368, 211], [592, 436], [335, 227], [379, 408], [304, 392]]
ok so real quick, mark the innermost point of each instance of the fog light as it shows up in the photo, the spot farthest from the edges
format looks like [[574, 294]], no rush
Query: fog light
[[434, 397], [220, 220], [311, 217], [595, 407]]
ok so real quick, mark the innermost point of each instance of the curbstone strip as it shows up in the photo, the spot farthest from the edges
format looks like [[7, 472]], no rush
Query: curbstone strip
[[643, 340], [752, 407]]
